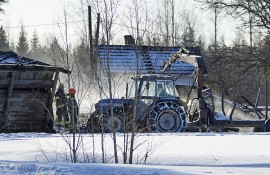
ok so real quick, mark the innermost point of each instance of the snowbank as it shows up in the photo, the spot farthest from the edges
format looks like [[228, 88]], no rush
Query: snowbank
[[181, 153]]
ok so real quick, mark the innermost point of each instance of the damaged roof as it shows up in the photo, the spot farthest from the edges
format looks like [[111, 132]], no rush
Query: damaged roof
[[10, 60], [13, 58], [122, 59]]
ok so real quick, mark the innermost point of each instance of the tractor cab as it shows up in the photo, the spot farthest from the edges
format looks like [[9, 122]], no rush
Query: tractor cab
[[153, 86], [152, 89]]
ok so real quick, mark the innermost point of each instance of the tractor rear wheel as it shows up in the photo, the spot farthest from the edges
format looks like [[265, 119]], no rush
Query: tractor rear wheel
[[98, 123], [93, 123], [114, 123], [267, 125], [167, 116]]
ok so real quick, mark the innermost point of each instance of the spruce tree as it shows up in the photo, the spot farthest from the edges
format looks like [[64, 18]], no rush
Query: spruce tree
[[35, 47], [22, 45], [55, 52], [189, 36], [35, 43], [4, 45]]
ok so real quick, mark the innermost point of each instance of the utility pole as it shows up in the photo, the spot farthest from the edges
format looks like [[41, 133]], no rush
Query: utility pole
[[215, 9], [90, 39], [96, 47], [97, 32], [250, 28]]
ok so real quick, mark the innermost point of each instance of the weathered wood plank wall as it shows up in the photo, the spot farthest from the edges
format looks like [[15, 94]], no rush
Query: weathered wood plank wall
[[26, 100]]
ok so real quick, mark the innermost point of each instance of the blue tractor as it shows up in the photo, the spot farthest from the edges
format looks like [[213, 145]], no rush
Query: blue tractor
[[153, 104]]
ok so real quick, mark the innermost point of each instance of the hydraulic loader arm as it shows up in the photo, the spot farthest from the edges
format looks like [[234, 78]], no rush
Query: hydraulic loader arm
[[196, 60], [184, 56]]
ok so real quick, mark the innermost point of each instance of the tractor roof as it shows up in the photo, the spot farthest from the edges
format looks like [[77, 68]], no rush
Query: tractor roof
[[155, 76]]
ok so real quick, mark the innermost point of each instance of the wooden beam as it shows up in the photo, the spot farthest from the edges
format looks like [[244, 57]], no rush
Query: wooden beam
[[54, 85], [21, 68], [50, 100], [29, 84], [10, 88]]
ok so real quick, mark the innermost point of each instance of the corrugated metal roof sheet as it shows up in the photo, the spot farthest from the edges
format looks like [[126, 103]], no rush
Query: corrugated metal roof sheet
[[122, 59]]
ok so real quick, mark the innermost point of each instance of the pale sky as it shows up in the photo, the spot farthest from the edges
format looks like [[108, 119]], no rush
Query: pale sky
[[40, 15], [26, 13]]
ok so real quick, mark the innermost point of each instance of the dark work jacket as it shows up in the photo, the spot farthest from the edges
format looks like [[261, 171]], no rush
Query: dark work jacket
[[73, 101], [61, 99]]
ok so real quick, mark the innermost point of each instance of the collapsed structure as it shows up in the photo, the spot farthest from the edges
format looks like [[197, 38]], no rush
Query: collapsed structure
[[27, 89]]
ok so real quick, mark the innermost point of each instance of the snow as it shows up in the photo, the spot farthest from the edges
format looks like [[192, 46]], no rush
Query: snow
[[13, 58], [168, 153], [219, 116]]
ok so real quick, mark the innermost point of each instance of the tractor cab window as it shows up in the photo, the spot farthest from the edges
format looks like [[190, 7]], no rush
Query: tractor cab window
[[148, 88], [152, 88], [133, 89], [165, 88]]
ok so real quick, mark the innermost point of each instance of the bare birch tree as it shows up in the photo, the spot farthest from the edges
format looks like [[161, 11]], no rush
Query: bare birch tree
[[241, 9], [61, 57], [108, 12], [139, 25]]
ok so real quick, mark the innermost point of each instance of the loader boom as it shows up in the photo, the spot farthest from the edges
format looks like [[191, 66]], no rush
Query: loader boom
[[206, 115], [197, 61], [185, 56]]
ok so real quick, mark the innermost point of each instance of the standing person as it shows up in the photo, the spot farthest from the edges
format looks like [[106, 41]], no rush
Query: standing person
[[73, 108], [61, 107]]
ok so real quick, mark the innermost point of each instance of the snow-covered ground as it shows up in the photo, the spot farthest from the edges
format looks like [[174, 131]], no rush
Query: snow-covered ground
[[170, 154]]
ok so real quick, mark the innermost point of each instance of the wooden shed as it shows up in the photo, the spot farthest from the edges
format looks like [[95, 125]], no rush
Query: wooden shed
[[27, 89]]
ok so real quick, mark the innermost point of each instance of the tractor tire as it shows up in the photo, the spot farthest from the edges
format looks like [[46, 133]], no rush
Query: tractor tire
[[114, 123], [167, 116], [93, 123], [258, 129], [267, 125]]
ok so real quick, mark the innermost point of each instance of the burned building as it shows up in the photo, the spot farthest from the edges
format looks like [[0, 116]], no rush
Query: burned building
[[26, 93]]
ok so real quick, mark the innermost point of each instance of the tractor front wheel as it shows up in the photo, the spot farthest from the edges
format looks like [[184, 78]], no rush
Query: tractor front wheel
[[167, 116]]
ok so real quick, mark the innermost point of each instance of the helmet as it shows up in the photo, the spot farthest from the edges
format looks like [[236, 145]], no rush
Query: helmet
[[72, 91], [61, 86]]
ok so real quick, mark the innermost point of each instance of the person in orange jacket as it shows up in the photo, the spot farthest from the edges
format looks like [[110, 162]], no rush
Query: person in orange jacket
[[73, 107]]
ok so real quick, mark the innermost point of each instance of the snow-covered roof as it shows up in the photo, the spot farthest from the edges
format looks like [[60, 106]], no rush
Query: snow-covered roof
[[122, 59], [10, 60], [13, 58]]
